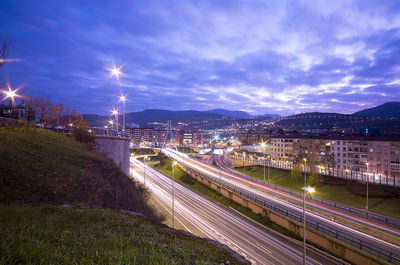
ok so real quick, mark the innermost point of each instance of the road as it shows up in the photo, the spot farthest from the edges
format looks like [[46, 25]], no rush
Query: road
[[206, 218], [385, 250]]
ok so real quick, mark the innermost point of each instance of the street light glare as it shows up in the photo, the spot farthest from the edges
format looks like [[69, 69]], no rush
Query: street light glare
[[10, 94], [122, 98], [308, 189], [175, 163], [116, 71]]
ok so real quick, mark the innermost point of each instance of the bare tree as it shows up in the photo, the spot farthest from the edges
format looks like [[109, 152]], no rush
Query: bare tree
[[3, 48], [44, 108]]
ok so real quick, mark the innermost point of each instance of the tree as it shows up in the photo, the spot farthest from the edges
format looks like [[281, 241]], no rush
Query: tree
[[315, 179], [3, 48], [44, 108], [296, 172]]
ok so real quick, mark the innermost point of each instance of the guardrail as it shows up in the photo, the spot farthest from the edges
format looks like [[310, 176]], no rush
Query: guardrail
[[393, 222], [326, 229]]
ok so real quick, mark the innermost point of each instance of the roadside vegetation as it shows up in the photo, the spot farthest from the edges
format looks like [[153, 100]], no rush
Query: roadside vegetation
[[58, 204], [383, 200]]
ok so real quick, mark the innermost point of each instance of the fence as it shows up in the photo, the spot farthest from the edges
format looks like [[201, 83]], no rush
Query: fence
[[393, 222]]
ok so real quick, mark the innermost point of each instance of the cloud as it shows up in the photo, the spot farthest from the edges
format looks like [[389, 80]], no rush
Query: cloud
[[262, 56]]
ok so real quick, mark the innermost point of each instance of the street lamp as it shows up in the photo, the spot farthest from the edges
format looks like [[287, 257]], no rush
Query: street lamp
[[269, 166], [123, 99], [144, 169], [244, 167], [366, 207], [263, 146], [305, 171], [111, 122], [173, 195], [10, 94], [305, 190], [116, 71]]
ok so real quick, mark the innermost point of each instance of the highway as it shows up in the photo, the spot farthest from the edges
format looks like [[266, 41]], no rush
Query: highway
[[205, 218], [385, 250]]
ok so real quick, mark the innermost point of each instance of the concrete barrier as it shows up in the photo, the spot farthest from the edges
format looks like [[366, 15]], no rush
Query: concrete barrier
[[338, 248], [116, 148]]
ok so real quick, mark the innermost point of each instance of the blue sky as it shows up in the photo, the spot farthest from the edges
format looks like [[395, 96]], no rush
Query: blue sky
[[259, 56]]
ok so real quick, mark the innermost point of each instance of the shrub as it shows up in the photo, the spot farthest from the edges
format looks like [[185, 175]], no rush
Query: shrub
[[82, 135], [315, 179], [188, 179], [296, 172]]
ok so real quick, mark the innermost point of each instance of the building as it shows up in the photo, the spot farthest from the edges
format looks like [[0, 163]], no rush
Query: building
[[156, 137], [377, 155], [17, 112]]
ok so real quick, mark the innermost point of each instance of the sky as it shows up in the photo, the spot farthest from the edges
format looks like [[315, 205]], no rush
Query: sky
[[281, 57]]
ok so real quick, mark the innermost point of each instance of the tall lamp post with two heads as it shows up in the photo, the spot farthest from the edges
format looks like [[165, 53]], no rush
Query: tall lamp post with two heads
[[116, 71]]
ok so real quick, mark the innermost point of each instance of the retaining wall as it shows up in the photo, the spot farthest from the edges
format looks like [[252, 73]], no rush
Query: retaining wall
[[116, 148]]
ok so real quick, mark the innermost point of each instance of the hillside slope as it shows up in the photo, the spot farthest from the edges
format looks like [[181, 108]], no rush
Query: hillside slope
[[39, 167], [43, 174]]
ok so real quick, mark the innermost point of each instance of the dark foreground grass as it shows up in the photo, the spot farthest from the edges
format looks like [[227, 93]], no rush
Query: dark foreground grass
[[344, 192], [73, 235], [182, 177]]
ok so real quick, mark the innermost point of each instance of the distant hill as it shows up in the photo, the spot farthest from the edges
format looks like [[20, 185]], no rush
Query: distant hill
[[386, 110], [231, 113], [154, 115], [269, 116]]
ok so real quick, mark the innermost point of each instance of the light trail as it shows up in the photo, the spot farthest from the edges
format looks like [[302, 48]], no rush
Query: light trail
[[206, 218], [191, 163]]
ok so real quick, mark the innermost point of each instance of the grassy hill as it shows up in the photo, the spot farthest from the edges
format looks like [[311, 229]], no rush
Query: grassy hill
[[56, 207]]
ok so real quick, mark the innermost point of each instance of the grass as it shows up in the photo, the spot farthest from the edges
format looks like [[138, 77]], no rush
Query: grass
[[74, 235], [42, 170], [45, 167], [182, 177], [344, 192]]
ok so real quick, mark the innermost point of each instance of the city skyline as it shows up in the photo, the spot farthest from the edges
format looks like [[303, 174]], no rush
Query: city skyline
[[277, 57]]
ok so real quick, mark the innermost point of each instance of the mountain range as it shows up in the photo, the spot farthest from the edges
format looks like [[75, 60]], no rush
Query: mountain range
[[160, 115], [386, 110]]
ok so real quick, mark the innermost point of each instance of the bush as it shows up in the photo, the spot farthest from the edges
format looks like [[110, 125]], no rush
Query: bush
[[82, 135], [296, 172], [315, 180], [188, 179]]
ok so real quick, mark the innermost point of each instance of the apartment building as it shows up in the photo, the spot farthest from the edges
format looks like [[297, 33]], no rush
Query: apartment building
[[378, 155], [156, 137]]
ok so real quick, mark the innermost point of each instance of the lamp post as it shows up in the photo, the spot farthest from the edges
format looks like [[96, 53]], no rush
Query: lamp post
[[305, 190], [173, 195], [116, 71], [10, 94], [305, 171], [244, 167], [263, 146], [123, 99], [144, 169], [366, 207], [115, 113], [269, 166]]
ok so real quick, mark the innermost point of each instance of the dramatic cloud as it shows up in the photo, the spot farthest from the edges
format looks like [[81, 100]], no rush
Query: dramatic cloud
[[260, 56]]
